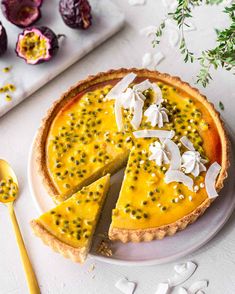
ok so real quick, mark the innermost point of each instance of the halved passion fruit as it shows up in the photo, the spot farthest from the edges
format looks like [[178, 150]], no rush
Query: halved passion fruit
[[22, 13], [37, 44], [3, 39], [76, 13]]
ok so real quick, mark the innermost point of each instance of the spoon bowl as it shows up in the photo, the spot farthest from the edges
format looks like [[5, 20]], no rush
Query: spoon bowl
[[9, 187], [8, 194]]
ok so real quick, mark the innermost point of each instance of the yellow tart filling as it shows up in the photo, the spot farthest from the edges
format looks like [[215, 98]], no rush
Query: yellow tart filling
[[73, 222], [84, 142]]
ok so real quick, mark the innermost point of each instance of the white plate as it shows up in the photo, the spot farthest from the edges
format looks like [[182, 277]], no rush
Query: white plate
[[147, 253]]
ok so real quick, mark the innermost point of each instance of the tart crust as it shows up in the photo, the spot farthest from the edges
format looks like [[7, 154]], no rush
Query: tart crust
[[126, 235], [76, 254]]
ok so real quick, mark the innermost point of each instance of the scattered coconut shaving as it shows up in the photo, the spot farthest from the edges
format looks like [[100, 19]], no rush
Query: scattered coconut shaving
[[125, 286], [182, 290], [148, 31], [198, 286], [174, 37], [184, 275], [179, 177], [210, 179], [147, 60], [136, 2], [163, 288]]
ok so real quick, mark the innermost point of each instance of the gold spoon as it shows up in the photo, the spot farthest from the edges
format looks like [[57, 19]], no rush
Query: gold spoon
[[8, 194]]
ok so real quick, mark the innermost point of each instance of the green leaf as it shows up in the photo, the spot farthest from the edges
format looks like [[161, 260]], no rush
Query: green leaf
[[221, 105]]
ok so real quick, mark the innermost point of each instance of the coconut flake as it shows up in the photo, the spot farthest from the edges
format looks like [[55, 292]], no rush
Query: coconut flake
[[175, 161], [187, 143], [118, 114], [178, 176], [138, 112], [170, 4], [198, 286], [121, 86], [154, 134], [125, 286], [143, 86], [147, 60], [210, 180], [174, 37], [157, 58], [182, 290], [162, 288], [179, 268], [180, 278], [148, 31], [136, 2]]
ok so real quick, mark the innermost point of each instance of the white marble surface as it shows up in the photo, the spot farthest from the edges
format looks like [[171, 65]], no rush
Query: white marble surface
[[107, 20], [57, 275]]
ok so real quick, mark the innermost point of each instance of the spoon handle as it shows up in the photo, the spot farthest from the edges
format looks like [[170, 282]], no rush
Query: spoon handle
[[30, 275]]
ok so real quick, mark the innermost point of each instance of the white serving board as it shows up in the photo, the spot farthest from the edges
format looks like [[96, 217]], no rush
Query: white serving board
[[107, 20]]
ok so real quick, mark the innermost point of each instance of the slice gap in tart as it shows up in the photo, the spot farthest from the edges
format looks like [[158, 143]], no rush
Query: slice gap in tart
[[69, 227]]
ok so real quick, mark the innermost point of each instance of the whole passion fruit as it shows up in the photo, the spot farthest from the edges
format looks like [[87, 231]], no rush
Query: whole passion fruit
[[76, 13], [22, 13], [37, 44], [3, 40]]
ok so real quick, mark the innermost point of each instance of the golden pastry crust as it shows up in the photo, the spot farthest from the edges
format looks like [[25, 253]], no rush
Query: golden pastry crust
[[150, 234], [76, 254], [144, 234]]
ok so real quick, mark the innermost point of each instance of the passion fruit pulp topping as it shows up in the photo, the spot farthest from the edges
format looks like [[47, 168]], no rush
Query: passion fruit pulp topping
[[33, 46], [37, 45]]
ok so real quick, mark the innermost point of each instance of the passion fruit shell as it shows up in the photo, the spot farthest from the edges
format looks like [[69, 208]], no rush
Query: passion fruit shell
[[22, 13], [76, 13], [37, 45], [3, 39]]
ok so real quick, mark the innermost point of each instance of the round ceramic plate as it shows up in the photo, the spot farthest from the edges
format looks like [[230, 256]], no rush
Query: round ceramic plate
[[146, 253]]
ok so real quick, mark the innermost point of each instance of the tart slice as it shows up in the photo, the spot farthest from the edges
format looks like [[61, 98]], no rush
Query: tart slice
[[69, 227]]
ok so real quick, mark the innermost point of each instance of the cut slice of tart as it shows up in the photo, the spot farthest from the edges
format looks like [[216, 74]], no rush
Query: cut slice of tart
[[169, 133], [69, 227]]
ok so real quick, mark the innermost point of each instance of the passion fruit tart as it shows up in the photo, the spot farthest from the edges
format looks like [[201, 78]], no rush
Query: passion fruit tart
[[160, 125], [69, 227]]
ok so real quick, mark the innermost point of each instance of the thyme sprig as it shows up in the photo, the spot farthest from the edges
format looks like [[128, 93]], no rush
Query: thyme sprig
[[223, 55]]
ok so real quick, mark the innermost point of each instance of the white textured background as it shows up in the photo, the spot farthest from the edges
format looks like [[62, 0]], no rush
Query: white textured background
[[57, 275]]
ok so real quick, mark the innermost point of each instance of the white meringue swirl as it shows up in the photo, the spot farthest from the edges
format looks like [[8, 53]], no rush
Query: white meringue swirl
[[159, 153], [192, 163], [156, 115]]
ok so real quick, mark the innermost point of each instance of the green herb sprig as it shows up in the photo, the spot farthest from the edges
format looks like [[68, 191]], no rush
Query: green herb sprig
[[223, 55]]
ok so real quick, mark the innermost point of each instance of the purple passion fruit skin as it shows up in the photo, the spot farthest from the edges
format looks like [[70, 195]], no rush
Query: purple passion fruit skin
[[76, 13], [3, 39], [22, 13], [37, 45]]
